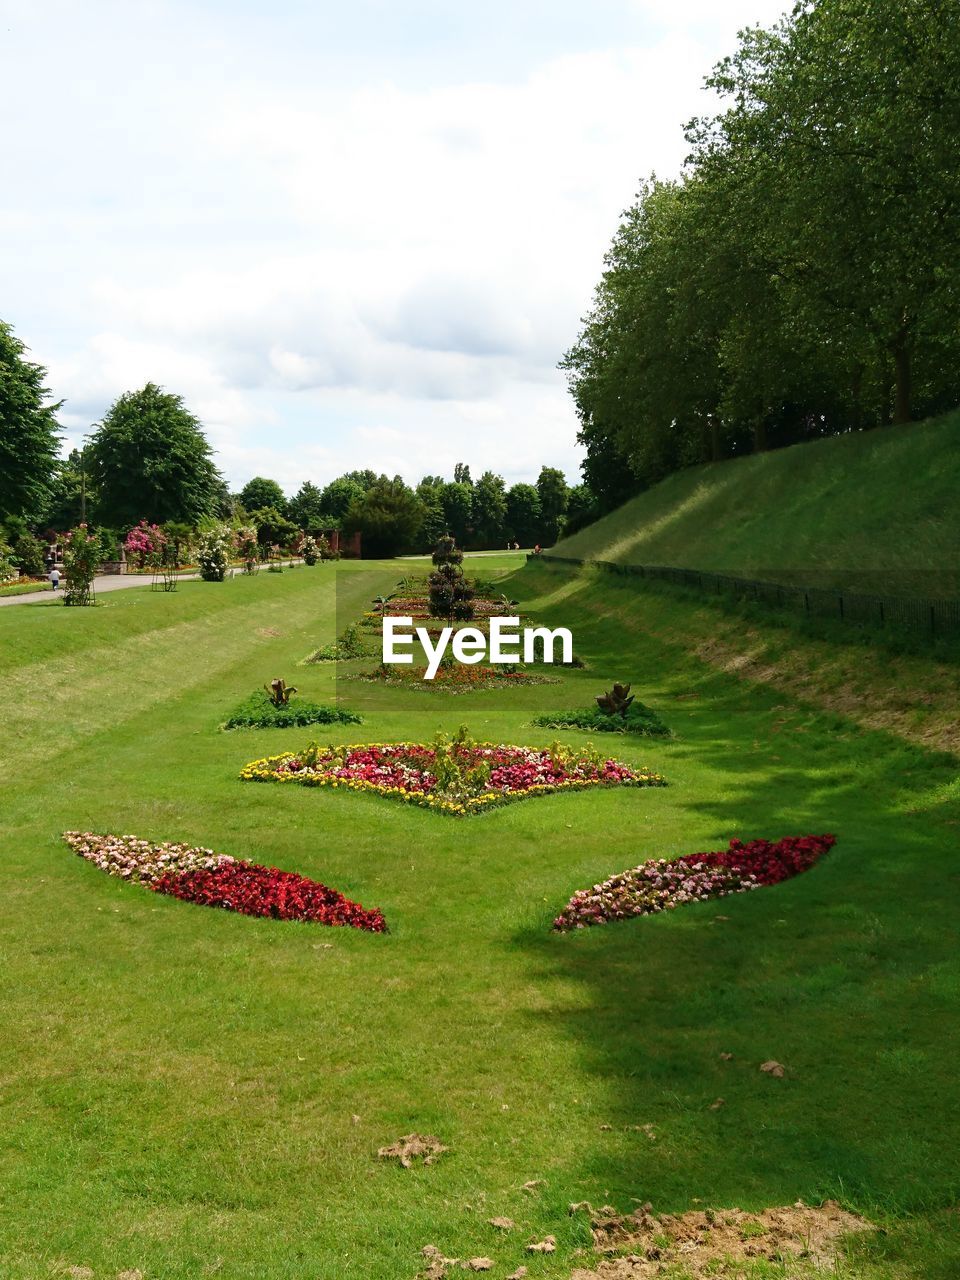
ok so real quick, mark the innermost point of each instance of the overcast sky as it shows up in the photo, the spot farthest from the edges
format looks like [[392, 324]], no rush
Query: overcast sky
[[349, 235]]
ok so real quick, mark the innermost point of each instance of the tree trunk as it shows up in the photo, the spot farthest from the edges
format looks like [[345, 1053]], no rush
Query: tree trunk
[[856, 391], [714, 424], [901, 364]]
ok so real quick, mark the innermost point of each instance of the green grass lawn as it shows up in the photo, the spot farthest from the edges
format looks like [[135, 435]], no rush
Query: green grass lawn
[[194, 1093], [874, 511], [24, 588]]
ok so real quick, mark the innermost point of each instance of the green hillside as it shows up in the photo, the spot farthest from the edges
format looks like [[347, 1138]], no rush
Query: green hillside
[[874, 511]]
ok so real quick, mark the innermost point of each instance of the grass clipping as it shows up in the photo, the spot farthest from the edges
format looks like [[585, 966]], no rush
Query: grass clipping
[[705, 1242]]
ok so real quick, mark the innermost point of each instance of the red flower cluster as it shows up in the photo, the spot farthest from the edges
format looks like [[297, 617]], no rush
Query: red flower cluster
[[768, 862], [253, 890]]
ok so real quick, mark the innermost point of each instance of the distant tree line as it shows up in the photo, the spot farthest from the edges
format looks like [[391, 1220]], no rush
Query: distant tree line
[[392, 516], [149, 462], [802, 278]]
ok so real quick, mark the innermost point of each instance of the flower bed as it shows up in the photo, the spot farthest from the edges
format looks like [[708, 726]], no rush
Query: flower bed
[[663, 884], [217, 880], [259, 712], [452, 677], [639, 719], [452, 776]]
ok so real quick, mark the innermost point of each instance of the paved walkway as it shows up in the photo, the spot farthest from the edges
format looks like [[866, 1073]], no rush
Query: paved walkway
[[112, 582], [108, 582]]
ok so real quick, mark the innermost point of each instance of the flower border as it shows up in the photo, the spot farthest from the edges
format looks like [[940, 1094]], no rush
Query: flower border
[[266, 770]]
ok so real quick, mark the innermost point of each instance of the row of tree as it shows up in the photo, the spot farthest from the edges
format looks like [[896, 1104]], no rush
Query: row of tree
[[802, 278], [149, 460], [391, 515]]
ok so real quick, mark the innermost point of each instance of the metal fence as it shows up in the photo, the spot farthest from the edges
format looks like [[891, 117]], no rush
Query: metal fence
[[932, 617]]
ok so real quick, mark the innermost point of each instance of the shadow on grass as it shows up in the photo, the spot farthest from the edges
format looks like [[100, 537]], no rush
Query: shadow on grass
[[847, 975]]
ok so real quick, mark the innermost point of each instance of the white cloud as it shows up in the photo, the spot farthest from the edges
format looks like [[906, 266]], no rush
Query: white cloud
[[377, 272]]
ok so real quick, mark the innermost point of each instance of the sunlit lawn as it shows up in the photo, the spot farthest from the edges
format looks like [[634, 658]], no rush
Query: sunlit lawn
[[194, 1093]]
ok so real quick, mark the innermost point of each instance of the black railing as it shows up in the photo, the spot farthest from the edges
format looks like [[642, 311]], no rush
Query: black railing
[[930, 616]]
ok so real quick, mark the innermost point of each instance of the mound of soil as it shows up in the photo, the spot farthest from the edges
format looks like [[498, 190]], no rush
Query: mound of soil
[[695, 1244]]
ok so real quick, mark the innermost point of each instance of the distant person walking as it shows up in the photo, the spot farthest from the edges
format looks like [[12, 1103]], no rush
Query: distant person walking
[[55, 577]]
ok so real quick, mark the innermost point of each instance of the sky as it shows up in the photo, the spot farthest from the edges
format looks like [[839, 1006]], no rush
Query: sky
[[349, 235]]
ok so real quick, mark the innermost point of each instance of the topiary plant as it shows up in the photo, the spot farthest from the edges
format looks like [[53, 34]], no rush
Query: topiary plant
[[616, 702], [278, 691]]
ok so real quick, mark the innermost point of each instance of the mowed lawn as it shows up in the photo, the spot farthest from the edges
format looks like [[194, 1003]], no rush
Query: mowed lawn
[[193, 1093]]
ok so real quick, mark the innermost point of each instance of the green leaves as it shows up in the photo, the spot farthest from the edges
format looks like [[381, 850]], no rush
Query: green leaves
[[29, 435], [151, 460], [803, 277]]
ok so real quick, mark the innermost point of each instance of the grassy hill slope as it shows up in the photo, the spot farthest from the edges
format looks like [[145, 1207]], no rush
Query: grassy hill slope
[[876, 511]]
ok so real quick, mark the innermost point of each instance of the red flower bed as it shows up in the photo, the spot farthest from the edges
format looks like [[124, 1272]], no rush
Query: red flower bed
[[663, 884], [767, 862], [212, 879], [253, 890]]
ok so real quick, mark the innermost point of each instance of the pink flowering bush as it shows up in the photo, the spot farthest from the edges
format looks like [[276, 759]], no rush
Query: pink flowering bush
[[217, 880], [145, 543], [662, 884], [455, 776]]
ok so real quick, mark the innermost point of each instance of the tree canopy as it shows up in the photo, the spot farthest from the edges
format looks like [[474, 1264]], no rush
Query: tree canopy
[[802, 278], [150, 460], [260, 493], [388, 516], [306, 508], [29, 435]]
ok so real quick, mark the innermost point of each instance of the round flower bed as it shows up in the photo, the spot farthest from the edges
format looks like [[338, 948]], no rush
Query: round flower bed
[[217, 880], [452, 776], [662, 884]]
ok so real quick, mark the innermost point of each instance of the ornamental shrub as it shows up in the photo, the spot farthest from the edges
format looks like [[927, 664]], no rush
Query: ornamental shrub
[[81, 560], [248, 548], [213, 552], [260, 712], [28, 554], [145, 543], [638, 719], [8, 570]]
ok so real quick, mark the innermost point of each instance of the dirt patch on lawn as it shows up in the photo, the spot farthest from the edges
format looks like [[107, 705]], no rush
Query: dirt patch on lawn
[[707, 1243]]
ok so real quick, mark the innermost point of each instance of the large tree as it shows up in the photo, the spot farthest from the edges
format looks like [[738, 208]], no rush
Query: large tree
[[388, 516], [70, 493], [849, 113], [523, 514], [29, 440], [489, 511], [150, 460], [340, 494], [554, 494], [802, 277], [260, 493], [456, 499], [306, 508]]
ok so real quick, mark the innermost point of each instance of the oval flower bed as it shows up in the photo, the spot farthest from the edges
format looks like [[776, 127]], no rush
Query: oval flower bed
[[452, 677], [217, 880], [456, 777], [663, 884]]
